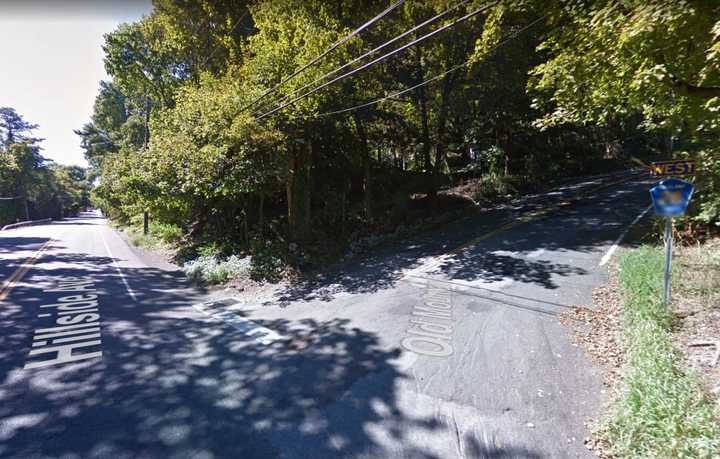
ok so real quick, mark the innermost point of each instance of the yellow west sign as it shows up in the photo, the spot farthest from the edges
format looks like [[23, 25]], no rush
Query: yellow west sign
[[667, 168]]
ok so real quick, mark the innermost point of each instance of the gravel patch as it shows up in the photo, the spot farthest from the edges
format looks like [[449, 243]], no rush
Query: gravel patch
[[696, 302], [598, 331]]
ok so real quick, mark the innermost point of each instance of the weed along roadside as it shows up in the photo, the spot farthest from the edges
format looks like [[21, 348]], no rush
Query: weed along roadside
[[661, 409]]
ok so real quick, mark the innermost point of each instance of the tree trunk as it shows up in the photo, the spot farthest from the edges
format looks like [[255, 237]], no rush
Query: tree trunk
[[246, 217], [343, 204], [367, 190], [424, 124], [25, 208], [289, 192], [298, 192], [20, 190], [195, 228], [702, 92], [261, 213], [502, 142], [427, 166], [440, 147], [146, 138], [308, 188]]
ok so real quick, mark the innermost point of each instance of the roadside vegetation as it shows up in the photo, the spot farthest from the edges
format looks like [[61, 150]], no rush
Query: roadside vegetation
[[160, 236], [207, 125], [32, 187], [697, 305], [662, 410]]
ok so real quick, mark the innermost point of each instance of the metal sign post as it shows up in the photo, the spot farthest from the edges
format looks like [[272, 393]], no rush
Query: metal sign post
[[668, 259], [670, 198]]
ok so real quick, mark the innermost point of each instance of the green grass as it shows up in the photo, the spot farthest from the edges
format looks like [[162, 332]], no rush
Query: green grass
[[160, 236], [146, 241], [662, 411]]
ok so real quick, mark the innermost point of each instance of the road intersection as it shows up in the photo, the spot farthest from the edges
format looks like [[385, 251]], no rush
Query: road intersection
[[447, 345]]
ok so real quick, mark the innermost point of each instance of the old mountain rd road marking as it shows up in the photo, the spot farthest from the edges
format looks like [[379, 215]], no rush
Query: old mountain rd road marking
[[12, 281], [430, 331]]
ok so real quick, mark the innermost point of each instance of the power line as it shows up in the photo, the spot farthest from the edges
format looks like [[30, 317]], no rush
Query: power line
[[380, 59], [370, 53], [430, 80], [332, 48]]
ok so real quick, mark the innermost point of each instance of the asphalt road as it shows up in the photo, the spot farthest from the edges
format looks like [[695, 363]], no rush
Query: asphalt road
[[444, 346]]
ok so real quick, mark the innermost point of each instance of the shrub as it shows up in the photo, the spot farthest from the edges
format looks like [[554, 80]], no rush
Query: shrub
[[211, 270], [166, 232], [267, 261], [491, 186], [210, 250]]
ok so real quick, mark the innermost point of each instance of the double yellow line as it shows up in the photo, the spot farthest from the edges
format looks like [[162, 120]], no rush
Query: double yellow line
[[12, 281]]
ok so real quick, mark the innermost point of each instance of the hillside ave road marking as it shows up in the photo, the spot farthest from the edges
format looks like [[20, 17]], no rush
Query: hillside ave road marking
[[74, 327]]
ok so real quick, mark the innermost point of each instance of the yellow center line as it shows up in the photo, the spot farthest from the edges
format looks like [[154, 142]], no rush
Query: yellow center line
[[534, 215], [520, 220], [12, 281]]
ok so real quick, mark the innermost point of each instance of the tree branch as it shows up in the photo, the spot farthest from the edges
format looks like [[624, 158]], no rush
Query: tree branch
[[703, 92]]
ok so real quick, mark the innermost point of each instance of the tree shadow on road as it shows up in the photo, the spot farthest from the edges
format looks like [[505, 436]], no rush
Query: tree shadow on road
[[11, 244], [581, 228], [494, 267], [173, 383]]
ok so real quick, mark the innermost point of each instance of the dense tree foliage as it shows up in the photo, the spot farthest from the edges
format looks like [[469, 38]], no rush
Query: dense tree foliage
[[655, 64], [30, 186], [204, 127]]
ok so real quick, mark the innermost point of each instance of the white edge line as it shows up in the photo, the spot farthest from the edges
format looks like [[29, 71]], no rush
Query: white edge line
[[617, 242], [122, 276]]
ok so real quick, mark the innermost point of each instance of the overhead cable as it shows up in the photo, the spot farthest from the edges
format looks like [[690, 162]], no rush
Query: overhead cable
[[332, 48], [370, 53], [379, 59], [430, 80]]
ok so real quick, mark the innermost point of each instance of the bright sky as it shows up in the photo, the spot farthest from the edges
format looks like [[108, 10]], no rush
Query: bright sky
[[51, 64]]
